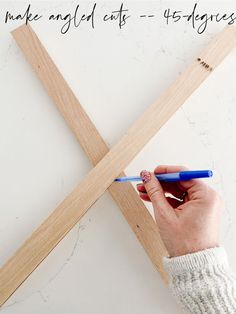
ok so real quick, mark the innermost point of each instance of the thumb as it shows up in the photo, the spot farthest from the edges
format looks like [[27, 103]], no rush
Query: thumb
[[156, 194]]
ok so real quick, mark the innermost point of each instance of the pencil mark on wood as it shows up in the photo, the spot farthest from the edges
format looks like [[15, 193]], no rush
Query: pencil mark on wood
[[204, 64]]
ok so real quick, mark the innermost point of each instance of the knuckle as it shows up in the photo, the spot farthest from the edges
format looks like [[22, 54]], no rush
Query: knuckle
[[213, 199], [213, 195], [154, 192], [204, 191], [217, 201]]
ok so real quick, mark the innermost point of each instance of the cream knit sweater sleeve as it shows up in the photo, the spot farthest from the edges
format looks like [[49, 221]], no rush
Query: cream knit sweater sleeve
[[202, 282]]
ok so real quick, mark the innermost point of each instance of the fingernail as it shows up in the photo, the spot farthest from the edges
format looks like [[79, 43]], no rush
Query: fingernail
[[145, 175]]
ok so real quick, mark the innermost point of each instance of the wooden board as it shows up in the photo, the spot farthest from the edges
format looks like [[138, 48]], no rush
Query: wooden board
[[68, 213], [125, 196]]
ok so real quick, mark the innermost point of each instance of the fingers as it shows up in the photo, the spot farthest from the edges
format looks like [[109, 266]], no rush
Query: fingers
[[168, 187], [172, 201], [156, 194], [184, 185], [168, 168], [196, 189]]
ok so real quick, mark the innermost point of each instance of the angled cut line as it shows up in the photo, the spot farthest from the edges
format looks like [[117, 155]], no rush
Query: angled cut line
[[68, 213]]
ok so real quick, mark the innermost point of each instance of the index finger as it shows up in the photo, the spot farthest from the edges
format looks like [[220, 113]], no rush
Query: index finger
[[185, 185]]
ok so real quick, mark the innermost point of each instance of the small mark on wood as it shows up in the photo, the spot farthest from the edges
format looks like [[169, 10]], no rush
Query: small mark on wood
[[138, 226], [204, 64]]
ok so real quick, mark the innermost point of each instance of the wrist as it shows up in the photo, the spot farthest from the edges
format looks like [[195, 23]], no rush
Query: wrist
[[181, 246]]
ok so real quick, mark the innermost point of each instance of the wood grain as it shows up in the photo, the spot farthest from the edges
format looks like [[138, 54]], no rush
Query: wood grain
[[68, 213], [91, 141]]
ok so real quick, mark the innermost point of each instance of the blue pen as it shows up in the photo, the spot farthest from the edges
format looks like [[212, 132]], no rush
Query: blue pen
[[173, 177]]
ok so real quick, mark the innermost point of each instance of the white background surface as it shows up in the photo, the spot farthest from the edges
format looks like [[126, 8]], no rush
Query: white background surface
[[100, 267]]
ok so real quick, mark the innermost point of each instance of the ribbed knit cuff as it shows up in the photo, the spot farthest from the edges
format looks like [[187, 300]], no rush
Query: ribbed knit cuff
[[196, 261]]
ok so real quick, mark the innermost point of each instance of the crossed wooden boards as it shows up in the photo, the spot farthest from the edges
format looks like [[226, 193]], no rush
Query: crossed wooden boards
[[108, 164]]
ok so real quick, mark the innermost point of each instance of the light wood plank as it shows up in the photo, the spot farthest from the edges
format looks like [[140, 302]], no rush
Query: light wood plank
[[93, 144], [68, 213]]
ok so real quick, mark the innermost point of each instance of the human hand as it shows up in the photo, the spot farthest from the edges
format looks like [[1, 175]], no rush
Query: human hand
[[186, 225]]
